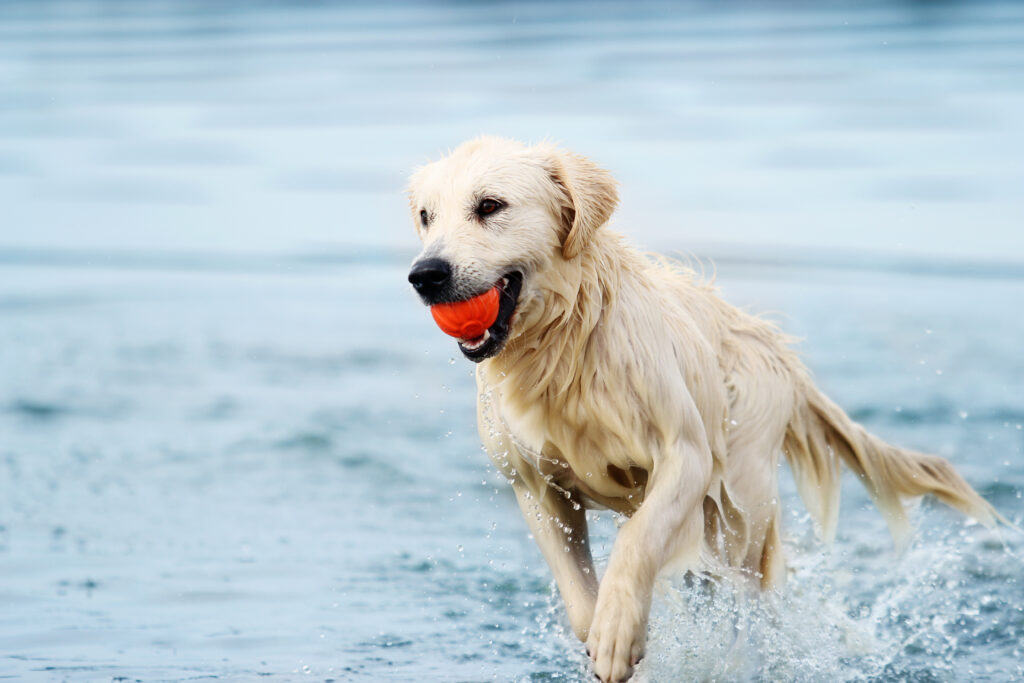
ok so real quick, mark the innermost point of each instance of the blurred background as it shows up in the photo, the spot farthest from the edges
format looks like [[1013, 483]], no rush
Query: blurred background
[[233, 444]]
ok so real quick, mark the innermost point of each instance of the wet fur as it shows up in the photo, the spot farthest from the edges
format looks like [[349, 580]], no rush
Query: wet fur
[[627, 383]]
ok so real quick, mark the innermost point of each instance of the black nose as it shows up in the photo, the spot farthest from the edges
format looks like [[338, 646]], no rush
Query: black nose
[[430, 276]]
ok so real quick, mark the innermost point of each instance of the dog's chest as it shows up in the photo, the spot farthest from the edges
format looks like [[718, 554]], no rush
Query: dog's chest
[[569, 457]]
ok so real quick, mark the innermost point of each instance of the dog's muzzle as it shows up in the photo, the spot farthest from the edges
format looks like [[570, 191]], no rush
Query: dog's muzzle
[[430, 278], [434, 281]]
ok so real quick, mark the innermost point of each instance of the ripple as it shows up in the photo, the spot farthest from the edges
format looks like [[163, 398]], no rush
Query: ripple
[[39, 410]]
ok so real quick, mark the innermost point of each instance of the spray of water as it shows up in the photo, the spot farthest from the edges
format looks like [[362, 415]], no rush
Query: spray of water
[[949, 608]]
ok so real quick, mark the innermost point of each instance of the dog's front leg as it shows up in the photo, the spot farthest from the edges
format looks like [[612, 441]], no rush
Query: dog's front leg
[[669, 522], [560, 531]]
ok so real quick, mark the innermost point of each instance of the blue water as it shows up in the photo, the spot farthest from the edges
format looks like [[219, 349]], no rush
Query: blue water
[[234, 446]]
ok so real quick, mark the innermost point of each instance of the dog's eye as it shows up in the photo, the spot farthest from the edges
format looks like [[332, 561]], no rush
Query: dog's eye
[[488, 206], [424, 217]]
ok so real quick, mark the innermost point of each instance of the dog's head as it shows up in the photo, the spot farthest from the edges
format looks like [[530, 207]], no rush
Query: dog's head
[[498, 213]]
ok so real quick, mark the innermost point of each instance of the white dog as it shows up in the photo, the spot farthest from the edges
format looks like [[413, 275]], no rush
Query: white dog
[[617, 380]]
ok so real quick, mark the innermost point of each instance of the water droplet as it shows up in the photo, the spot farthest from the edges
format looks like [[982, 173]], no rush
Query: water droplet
[[451, 361]]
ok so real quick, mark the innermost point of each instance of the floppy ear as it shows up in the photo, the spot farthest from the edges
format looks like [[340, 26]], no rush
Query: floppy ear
[[590, 198]]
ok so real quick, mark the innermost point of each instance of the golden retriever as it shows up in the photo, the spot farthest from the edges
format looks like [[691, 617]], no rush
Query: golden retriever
[[619, 380]]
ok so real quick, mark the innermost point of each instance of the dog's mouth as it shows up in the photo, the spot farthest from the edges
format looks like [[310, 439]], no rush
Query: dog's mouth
[[494, 337]]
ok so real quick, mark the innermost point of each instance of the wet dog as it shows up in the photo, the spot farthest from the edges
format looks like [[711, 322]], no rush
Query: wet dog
[[618, 380]]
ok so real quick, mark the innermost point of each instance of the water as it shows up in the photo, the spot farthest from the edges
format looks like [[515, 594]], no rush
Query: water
[[890, 127], [234, 446]]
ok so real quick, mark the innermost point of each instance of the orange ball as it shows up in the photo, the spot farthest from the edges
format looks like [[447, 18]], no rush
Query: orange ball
[[468, 319]]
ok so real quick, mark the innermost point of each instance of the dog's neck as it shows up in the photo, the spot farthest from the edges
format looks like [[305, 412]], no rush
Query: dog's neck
[[553, 351]]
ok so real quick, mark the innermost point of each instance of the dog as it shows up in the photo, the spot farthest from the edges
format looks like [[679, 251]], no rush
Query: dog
[[618, 380]]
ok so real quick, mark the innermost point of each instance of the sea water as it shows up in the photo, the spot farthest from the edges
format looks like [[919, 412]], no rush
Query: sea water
[[234, 446]]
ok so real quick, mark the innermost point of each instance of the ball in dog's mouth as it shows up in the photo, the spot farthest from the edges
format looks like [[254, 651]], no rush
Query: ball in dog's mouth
[[481, 323], [468, 319]]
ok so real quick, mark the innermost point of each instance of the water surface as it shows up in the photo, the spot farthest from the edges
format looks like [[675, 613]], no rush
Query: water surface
[[234, 446]]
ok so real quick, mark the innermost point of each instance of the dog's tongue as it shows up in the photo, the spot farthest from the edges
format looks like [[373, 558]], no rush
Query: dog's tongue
[[468, 319]]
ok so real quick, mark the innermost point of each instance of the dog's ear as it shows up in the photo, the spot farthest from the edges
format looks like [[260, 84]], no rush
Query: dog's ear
[[590, 197]]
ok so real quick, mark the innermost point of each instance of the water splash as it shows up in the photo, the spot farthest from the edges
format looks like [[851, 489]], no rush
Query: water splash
[[950, 608]]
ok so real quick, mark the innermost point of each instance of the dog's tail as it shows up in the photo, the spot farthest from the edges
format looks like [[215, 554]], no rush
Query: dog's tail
[[820, 436]]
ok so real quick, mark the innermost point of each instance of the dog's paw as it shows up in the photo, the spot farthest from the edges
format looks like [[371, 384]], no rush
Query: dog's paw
[[617, 634]]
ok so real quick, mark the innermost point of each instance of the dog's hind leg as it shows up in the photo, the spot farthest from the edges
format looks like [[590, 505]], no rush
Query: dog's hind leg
[[759, 411], [752, 541]]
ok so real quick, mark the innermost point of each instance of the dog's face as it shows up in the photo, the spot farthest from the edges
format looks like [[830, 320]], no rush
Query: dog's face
[[497, 213]]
